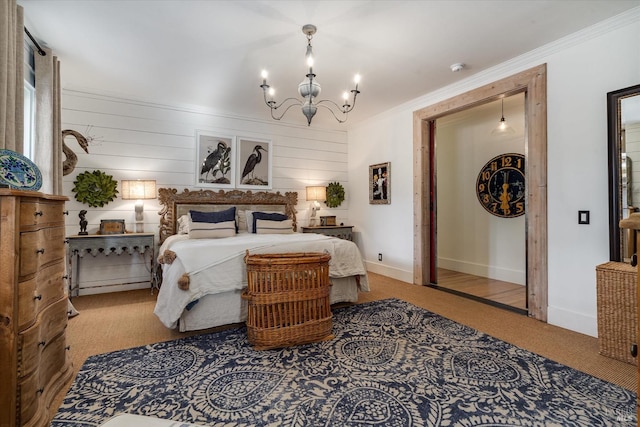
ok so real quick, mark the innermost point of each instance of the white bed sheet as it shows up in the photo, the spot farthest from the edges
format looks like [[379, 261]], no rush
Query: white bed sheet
[[216, 266]]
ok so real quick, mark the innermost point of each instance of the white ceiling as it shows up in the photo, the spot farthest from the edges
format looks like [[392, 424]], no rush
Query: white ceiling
[[209, 54]]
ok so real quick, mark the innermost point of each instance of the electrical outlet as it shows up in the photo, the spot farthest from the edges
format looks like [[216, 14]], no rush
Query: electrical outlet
[[379, 257], [583, 217]]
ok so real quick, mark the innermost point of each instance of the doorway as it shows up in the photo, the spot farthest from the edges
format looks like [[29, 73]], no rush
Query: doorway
[[479, 199], [532, 83]]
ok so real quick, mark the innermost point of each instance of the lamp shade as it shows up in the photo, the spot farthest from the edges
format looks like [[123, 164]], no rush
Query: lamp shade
[[317, 193], [138, 189]]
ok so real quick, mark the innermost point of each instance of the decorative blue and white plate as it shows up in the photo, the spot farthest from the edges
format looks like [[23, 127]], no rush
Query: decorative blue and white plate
[[19, 172]]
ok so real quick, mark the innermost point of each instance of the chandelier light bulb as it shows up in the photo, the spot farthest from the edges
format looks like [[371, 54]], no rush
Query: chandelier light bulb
[[356, 79], [264, 74], [345, 95], [272, 92], [309, 55]]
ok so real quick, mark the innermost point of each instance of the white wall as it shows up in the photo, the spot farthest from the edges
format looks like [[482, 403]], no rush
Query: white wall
[[581, 69], [140, 140]]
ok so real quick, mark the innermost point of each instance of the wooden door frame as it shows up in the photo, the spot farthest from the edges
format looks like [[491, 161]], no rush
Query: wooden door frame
[[534, 83]]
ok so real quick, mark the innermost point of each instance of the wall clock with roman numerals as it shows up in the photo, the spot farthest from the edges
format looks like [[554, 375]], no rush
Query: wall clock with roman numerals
[[500, 186]]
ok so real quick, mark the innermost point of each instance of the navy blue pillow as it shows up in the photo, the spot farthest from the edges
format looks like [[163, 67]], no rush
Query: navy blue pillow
[[267, 216], [213, 217]]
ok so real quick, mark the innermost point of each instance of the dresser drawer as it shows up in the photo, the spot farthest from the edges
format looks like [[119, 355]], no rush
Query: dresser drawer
[[34, 390], [34, 342], [38, 292], [39, 248], [29, 397], [40, 213]]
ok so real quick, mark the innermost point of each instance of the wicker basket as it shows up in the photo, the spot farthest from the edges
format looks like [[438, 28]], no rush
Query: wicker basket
[[617, 295], [288, 299]]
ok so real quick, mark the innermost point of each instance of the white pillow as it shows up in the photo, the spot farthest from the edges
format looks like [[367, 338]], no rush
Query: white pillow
[[264, 226], [241, 219], [211, 230], [249, 216], [183, 224]]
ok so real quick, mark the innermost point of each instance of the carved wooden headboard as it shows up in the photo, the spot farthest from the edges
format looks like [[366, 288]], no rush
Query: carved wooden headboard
[[175, 204]]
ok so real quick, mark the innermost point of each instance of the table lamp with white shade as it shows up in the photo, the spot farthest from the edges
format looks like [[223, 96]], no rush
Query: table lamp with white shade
[[316, 194], [139, 190]]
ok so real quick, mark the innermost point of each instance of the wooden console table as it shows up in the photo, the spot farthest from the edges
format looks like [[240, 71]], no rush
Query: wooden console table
[[108, 244]]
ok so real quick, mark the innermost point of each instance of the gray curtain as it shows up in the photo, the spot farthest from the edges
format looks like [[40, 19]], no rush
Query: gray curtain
[[11, 75], [48, 146]]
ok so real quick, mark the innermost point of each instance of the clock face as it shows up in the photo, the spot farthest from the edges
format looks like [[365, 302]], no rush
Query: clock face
[[500, 186]]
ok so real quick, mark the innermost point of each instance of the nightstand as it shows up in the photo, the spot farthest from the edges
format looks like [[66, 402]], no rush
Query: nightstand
[[342, 231]]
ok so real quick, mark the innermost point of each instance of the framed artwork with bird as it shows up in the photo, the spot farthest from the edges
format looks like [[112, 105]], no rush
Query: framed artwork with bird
[[215, 162], [254, 163]]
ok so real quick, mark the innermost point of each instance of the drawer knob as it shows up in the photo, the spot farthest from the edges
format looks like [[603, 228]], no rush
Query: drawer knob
[[40, 390], [68, 348], [42, 343], [38, 297], [38, 213], [66, 276], [65, 213], [40, 251]]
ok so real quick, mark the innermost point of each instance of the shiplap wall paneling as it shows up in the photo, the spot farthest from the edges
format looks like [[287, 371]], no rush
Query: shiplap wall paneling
[[138, 140]]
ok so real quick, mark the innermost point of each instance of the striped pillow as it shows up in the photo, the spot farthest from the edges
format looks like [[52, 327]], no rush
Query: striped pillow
[[211, 230], [265, 226]]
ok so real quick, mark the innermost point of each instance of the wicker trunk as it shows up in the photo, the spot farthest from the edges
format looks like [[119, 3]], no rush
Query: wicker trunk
[[288, 299], [617, 285]]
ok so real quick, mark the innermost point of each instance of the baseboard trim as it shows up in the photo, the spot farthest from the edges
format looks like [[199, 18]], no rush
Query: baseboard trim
[[571, 320], [394, 273], [93, 290], [498, 273]]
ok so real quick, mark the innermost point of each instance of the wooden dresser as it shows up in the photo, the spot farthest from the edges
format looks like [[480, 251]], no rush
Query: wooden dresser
[[34, 361]]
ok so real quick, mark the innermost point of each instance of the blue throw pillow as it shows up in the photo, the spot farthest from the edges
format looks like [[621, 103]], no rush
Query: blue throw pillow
[[268, 216], [214, 217]]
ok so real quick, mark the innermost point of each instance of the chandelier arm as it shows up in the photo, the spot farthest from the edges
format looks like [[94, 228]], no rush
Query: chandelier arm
[[272, 104], [319, 104], [342, 108], [285, 110]]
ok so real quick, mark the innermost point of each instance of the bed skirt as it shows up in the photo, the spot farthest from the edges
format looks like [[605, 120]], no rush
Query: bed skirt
[[228, 307]]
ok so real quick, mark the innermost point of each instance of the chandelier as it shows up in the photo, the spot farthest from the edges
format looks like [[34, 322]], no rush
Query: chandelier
[[309, 89]]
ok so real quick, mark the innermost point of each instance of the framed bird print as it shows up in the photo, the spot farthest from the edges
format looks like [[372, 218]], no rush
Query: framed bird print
[[253, 169], [215, 160]]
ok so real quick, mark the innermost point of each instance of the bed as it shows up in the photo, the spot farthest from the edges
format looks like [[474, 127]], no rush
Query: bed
[[202, 278]]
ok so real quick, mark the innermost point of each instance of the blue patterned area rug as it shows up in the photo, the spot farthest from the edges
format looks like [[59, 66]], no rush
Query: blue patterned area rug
[[391, 364]]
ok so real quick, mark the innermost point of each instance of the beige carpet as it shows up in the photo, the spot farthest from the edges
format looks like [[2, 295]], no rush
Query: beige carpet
[[115, 321]]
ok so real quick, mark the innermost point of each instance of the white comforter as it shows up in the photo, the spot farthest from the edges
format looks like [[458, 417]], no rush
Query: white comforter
[[217, 265]]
